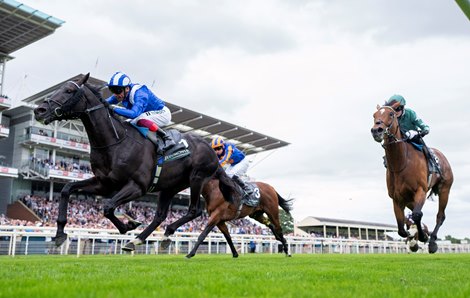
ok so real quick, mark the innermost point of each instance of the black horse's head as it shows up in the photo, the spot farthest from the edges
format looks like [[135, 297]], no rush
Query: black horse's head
[[66, 103]]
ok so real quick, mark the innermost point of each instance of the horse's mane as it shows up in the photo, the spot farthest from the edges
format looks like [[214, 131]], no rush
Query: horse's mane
[[96, 91], [389, 104]]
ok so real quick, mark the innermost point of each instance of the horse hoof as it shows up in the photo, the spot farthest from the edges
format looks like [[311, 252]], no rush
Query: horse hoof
[[432, 248], [289, 256], [189, 256], [59, 240], [414, 248], [164, 244], [129, 247], [235, 256]]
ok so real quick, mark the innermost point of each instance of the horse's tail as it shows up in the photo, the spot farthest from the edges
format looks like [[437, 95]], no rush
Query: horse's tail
[[226, 185], [285, 204]]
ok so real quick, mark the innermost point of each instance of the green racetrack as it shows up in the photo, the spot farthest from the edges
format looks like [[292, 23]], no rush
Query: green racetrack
[[251, 275]]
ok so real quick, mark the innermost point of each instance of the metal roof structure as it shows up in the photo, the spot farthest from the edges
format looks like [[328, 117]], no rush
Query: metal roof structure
[[185, 120], [21, 25], [313, 221]]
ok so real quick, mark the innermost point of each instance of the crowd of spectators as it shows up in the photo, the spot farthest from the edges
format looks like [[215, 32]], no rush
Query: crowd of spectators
[[62, 165], [87, 212]]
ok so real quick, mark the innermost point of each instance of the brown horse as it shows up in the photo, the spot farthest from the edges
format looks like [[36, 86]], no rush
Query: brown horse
[[221, 211], [408, 181]]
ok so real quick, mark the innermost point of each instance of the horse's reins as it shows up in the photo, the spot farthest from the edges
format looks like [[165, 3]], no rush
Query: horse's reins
[[59, 113], [393, 136], [389, 133]]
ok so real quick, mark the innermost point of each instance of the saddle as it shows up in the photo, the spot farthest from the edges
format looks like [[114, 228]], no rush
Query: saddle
[[172, 153], [180, 150]]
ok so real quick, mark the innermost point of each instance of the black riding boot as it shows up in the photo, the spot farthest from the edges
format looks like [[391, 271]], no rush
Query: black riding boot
[[241, 183], [430, 156], [167, 141]]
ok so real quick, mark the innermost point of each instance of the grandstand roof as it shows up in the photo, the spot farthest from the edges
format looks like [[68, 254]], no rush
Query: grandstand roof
[[313, 221], [186, 120], [21, 25]]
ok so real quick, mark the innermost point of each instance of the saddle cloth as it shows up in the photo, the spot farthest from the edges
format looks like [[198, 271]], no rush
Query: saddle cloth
[[180, 150], [251, 195], [433, 165]]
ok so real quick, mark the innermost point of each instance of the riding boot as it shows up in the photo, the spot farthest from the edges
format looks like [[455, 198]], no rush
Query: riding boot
[[241, 183], [430, 156], [167, 140]]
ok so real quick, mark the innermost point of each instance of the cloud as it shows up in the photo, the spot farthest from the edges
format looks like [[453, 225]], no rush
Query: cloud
[[308, 72]]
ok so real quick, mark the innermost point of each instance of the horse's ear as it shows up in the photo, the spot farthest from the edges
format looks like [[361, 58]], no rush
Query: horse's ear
[[84, 79], [378, 107], [395, 105]]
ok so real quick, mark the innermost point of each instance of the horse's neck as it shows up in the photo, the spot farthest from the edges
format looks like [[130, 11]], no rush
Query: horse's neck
[[102, 129], [397, 155]]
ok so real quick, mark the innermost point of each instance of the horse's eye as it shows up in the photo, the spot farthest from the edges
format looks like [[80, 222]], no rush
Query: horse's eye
[[391, 114]]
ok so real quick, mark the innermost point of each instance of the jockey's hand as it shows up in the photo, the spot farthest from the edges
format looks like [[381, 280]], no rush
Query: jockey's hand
[[423, 132], [411, 134], [113, 107]]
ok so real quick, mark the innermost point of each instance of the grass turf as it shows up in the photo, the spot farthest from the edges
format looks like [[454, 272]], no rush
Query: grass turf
[[253, 275]]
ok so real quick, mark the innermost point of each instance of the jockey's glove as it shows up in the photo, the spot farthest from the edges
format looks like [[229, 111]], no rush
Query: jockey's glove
[[113, 107], [410, 134]]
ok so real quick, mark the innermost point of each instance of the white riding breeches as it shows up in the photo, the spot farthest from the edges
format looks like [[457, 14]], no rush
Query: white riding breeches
[[239, 169], [161, 117]]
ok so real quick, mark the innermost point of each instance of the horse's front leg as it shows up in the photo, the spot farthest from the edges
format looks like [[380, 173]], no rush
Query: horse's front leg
[[399, 211], [129, 192], [417, 214], [92, 186], [164, 200]]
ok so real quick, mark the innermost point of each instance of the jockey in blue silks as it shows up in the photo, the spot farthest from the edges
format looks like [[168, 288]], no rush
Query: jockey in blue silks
[[141, 105], [232, 159]]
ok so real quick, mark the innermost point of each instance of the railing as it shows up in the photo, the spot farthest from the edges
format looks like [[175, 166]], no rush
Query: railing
[[20, 240], [8, 172], [55, 142], [45, 172], [4, 131]]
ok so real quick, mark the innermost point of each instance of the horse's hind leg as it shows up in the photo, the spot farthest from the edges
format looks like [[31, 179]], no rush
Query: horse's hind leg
[[274, 225], [164, 201], [223, 228], [201, 238], [277, 231], [194, 210], [440, 217], [171, 228]]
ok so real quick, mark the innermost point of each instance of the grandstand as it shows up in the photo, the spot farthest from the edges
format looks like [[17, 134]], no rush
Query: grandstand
[[346, 229], [48, 156], [37, 159], [20, 26]]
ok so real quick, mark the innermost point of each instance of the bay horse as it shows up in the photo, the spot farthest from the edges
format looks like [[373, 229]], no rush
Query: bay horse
[[408, 177], [124, 161], [221, 211]]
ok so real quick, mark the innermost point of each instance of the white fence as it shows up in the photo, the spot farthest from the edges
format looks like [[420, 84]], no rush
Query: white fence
[[19, 240]]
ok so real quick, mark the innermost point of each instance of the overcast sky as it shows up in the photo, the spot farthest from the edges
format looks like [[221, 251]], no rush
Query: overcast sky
[[307, 72]]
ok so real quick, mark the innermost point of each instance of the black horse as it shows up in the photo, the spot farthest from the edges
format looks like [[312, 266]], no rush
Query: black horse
[[124, 162]]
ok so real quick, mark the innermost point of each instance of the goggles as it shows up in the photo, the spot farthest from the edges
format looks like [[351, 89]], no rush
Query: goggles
[[116, 89]]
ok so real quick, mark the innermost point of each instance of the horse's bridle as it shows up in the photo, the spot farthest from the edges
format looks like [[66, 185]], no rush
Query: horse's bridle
[[391, 135], [58, 112]]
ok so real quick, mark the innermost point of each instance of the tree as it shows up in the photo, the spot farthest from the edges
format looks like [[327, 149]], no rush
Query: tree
[[287, 222]]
